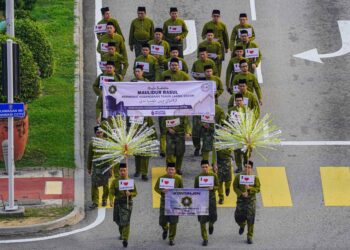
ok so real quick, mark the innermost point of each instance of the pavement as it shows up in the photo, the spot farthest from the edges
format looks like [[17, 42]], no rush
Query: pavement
[[304, 203]]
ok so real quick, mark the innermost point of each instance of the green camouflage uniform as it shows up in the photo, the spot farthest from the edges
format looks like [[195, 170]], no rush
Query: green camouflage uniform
[[141, 31], [153, 71], [175, 143], [122, 207], [168, 222], [121, 64], [232, 70], [245, 210], [252, 83], [213, 216], [235, 35], [253, 103], [97, 178], [116, 26], [214, 53], [162, 59], [170, 37], [182, 64], [118, 39], [224, 163]]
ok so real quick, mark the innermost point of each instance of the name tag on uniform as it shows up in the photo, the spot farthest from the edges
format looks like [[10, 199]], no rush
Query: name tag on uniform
[[100, 28], [212, 55], [103, 65], [235, 89], [249, 30], [174, 29], [157, 50], [167, 183], [245, 101], [198, 74], [172, 123], [236, 68], [252, 53], [207, 118], [180, 65], [105, 79], [247, 179], [104, 47], [126, 184], [145, 66], [137, 119], [206, 181]]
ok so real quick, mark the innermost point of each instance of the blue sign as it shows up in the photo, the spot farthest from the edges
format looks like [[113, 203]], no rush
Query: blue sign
[[15, 110]]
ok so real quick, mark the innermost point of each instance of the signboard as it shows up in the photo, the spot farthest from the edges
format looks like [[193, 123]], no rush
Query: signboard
[[252, 53], [247, 179], [15, 110], [187, 202], [166, 183], [183, 98], [126, 184], [206, 181]]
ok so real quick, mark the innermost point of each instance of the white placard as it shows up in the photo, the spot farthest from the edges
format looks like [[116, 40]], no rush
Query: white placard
[[235, 89], [137, 119], [245, 101], [180, 65], [247, 179], [198, 74], [145, 66], [103, 65], [157, 50], [104, 47], [172, 123], [126, 184], [175, 29], [252, 53], [249, 30], [207, 119], [167, 183], [206, 181], [236, 68], [100, 28], [212, 55], [104, 79]]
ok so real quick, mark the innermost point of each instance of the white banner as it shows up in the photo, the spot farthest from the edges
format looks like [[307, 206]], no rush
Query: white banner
[[187, 202], [186, 98]]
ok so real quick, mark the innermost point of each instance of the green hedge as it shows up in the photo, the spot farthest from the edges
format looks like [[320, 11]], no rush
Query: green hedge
[[34, 36], [19, 4], [30, 84]]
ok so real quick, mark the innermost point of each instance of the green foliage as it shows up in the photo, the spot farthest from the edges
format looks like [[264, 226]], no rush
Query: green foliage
[[34, 36], [23, 14], [30, 84], [19, 4]]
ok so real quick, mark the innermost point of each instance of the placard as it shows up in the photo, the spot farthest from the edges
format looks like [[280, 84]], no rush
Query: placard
[[166, 183], [206, 181], [126, 184], [145, 66], [100, 28], [157, 50], [252, 53], [247, 179], [174, 29]]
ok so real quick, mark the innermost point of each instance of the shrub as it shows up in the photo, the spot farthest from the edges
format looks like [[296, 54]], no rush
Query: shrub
[[34, 36], [29, 79], [19, 4], [23, 14]]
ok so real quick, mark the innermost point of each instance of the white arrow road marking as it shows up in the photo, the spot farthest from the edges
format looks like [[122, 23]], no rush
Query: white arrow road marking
[[191, 39], [313, 55], [253, 9], [259, 74], [101, 214], [98, 6]]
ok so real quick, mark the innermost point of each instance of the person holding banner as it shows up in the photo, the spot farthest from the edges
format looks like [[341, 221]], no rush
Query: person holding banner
[[111, 36], [141, 31], [149, 63], [121, 64], [160, 48], [174, 72], [251, 51], [108, 76], [210, 181], [168, 181], [175, 30], [234, 68], [246, 186], [174, 53], [236, 31], [214, 50], [98, 178], [252, 82], [177, 129], [122, 192], [106, 14]]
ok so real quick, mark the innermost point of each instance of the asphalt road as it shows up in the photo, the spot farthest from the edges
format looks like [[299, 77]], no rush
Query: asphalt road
[[308, 101]]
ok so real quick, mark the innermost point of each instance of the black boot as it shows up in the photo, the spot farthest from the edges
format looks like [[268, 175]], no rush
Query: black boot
[[125, 243], [205, 243]]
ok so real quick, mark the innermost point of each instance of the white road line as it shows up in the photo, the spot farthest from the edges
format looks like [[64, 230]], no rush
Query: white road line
[[304, 143], [98, 6], [191, 39], [101, 214], [253, 10], [259, 74]]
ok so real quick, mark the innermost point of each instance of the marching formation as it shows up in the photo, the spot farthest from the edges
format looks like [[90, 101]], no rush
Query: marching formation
[[159, 57]]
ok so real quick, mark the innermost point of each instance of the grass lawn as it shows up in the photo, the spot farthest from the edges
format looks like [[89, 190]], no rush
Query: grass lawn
[[51, 116]]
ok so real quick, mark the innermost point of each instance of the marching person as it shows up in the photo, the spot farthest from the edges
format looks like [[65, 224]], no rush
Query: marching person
[[138, 74], [174, 72], [236, 31], [98, 178], [107, 17], [246, 201], [160, 48], [234, 68], [149, 63], [174, 53], [141, 31], [122, 201], [111, 36], [175, 30], [197, 71], [212, 217], [209, 75], [168, 223], [121, 63]]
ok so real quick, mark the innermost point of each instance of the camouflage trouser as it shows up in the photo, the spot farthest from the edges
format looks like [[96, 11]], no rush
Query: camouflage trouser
[[162, 135], [141, 164], [245, 214], [175, 149], [224, 170], [167, 222], [121, 216], [240, 158], [213, 216], [196, 132]]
